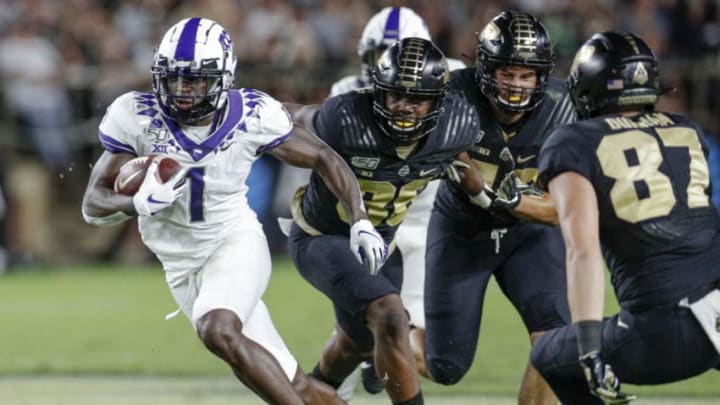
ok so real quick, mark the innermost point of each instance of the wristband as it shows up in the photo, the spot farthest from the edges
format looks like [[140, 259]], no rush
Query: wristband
[[481, 199], [589, 336]]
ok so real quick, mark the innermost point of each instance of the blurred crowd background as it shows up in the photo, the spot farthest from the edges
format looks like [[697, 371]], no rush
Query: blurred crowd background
[[62, 63]]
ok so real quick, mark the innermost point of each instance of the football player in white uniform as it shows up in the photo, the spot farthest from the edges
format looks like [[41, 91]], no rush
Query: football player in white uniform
[[198, 223], [389, 25]]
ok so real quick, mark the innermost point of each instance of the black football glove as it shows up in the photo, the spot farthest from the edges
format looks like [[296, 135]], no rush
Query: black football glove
[[602, 381]]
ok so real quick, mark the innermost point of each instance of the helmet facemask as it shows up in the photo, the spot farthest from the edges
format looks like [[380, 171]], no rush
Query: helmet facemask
[[406, 128], [507, 96], [189, 96]]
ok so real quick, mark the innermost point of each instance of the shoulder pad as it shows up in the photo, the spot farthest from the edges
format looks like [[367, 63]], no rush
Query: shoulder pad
[[265, 114]]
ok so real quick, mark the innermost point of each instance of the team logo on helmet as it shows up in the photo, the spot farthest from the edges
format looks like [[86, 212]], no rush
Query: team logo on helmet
[[491, 33], [640, 75]]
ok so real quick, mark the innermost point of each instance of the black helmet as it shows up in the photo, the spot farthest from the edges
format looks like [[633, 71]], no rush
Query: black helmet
[[613, 71], [514, 38], [416, 67]]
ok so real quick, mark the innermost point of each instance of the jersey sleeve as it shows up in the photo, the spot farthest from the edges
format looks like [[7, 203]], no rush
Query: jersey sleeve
[[268, 120], [565, 150], [118, 131]]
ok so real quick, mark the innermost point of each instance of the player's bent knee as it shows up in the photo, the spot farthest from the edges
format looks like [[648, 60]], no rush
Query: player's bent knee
[[445, 372], [350, 346], [388, 316], [219, 330]]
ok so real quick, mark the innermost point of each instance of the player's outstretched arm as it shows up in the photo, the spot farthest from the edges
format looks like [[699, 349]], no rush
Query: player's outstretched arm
[[101, 205], [304, 149], [579, 220]]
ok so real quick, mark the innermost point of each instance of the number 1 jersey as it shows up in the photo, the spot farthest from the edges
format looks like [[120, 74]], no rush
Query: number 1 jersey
[[219, 157]]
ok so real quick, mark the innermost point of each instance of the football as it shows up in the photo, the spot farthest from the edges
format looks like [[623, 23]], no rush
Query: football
[[132, 173]]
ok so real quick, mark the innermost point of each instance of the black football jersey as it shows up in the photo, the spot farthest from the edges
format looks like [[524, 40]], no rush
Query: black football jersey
[[389, 177], [523, 140], [659, 231]]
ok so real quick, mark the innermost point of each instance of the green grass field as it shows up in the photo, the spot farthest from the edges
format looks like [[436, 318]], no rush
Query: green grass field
[[96, 335]]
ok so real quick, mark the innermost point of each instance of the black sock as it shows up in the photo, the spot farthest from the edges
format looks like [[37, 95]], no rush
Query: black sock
[[416, 400], [318, 375]]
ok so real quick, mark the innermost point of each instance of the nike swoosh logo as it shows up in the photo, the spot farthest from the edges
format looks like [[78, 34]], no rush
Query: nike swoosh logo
[[125, 182], [154, 201], [523, 159], [424, 172]]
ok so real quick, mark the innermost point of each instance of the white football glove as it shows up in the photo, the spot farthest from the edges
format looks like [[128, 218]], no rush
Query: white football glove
[[368, 246], [153, 195]]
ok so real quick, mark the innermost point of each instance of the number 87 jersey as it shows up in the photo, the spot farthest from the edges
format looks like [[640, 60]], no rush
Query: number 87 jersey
[[651, 178]]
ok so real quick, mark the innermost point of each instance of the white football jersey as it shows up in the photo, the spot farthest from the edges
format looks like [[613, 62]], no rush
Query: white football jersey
[[214, 200]]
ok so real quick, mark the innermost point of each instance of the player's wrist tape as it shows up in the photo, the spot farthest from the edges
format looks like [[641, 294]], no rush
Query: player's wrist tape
[[589, 336], [481, 199]]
